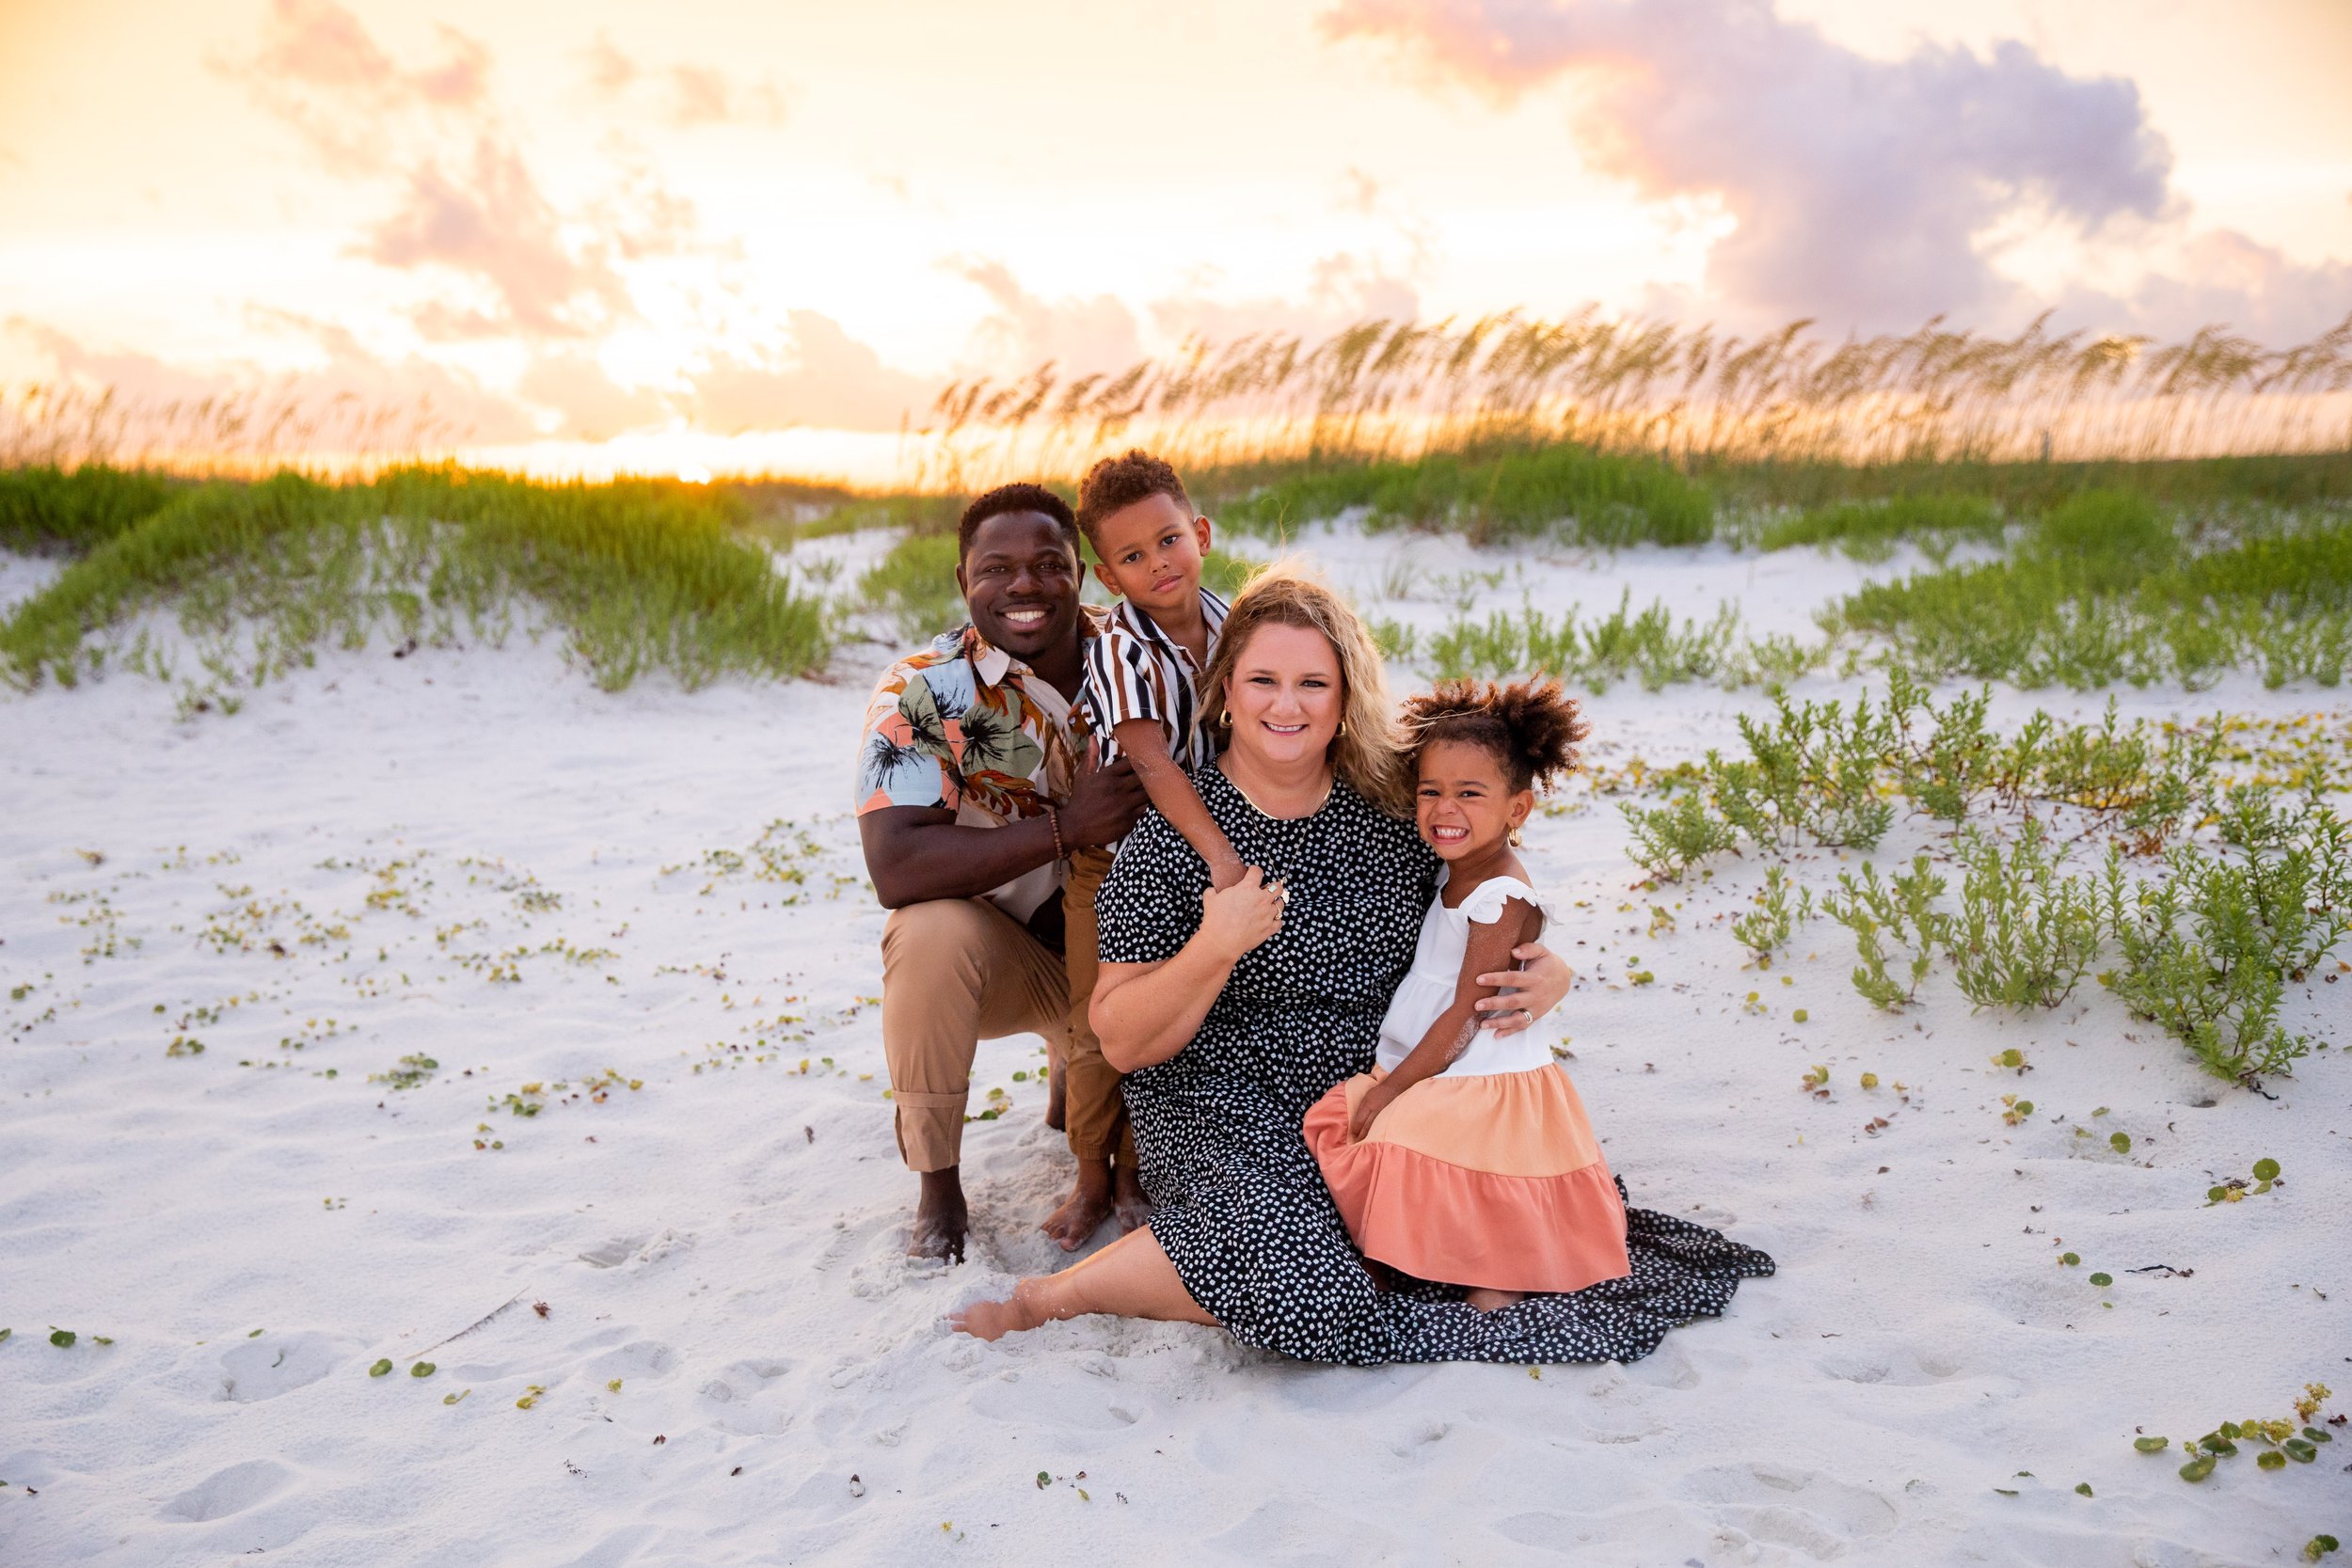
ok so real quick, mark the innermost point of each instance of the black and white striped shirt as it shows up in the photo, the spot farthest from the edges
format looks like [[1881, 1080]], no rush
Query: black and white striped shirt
[[1135, 670]]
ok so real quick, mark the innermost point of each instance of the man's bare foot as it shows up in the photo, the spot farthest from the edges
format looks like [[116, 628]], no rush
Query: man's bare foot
[[940, 1218], [1494, 1301], [1127, 1200], [1083, 1210], [993, 1319]]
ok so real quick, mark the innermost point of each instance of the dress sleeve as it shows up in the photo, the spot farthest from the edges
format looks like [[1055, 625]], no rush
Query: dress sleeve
[[1150, 903], [1485, 904]]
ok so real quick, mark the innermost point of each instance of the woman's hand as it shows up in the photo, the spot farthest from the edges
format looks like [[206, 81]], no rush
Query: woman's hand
[[1235, 919], [1532, 991], [1369, 1104]]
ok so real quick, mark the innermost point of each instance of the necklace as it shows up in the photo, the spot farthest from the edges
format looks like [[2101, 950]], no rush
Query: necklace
[[1274, 816]]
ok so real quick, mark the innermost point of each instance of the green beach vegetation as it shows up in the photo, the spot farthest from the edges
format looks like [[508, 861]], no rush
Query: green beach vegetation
[[638, 575]]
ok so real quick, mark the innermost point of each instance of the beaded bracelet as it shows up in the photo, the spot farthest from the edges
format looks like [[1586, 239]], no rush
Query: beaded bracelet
[[1053, 820]]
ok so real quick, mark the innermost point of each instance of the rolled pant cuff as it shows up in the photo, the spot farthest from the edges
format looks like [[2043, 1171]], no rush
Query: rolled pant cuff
[[930, 1128]]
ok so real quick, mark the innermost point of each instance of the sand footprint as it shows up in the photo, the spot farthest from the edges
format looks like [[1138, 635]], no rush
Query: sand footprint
[[230, 1491], [257, 1370], [748, 1398], [1815, 1514]]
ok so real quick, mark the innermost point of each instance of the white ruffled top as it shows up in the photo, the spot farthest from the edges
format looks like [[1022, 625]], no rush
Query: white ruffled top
[[1428, 987]]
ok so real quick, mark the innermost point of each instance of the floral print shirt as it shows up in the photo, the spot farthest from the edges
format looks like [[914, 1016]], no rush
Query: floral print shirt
[[964, 726]]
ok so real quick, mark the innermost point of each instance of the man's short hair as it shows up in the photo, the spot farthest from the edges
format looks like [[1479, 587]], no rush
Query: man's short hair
[[1117, 484], [1015, 498]]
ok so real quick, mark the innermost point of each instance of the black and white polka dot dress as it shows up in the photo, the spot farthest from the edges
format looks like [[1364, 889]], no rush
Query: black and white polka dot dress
[[1239, 1203]]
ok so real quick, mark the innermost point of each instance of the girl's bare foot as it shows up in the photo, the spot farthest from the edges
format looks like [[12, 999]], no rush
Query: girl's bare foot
[[1494, 1301], [993, 1319], [1133, 1209]]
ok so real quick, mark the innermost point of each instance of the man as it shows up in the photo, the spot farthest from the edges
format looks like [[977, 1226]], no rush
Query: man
[[975, 784]]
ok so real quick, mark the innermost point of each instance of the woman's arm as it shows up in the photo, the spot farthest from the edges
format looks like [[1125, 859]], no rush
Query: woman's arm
[[1143, 1014], [1144, 743], [1533, 991], [1490, 943]]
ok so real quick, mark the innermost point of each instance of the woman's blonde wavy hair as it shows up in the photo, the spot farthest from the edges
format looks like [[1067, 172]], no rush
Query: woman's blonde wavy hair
[[1369, 751]]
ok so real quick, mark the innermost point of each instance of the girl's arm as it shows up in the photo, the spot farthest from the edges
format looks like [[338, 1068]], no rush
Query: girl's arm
[[1144, 743], [1490, 944], [1143, 1014]]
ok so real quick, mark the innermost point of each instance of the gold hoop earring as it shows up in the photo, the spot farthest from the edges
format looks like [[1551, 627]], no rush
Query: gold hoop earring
[[1516, 838], [1343, 735], [1226, 719]]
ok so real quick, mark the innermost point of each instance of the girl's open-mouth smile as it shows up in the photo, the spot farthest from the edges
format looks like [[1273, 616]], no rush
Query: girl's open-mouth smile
[[1445, 832]]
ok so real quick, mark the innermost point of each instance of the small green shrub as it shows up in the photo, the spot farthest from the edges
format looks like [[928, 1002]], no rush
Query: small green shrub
[[914, 584], [2025, 934], [1902, 910], [45, 509], [1870, 530], [1766, 929]]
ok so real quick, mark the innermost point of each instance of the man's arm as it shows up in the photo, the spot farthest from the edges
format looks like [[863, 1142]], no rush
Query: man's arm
[[1144, 743], [915, 853]]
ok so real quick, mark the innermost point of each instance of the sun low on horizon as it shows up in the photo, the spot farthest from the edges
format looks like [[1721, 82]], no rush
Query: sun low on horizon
[[722, 237]]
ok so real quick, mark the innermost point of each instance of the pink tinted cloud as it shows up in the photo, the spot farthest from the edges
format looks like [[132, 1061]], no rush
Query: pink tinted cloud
[[1863, 188]]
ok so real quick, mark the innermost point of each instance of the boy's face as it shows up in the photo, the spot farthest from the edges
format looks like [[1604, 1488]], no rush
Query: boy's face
[[1151, 553]]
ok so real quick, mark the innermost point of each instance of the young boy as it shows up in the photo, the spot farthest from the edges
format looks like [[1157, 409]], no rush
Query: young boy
[[1141, 699]]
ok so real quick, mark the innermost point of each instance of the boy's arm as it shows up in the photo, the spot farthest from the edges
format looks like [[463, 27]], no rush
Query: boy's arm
[[1144, 743], [1490, 943]]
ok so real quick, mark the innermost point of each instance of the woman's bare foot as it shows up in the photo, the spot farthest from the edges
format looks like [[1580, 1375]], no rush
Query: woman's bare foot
[[993, 1319], [1083, 1210], [1133, 1209], [940, 1218], [1493, 1300]]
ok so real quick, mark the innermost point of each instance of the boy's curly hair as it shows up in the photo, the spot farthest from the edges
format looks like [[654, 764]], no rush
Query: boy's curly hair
[[1116, 484], [1532, 726]]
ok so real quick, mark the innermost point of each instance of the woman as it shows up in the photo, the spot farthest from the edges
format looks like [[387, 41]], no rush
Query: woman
[[1231, 1023]]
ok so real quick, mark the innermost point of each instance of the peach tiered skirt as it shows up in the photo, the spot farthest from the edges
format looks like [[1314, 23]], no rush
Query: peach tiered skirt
[[1492, 1181]]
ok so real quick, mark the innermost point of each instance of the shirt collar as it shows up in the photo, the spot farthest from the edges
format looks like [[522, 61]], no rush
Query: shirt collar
[[1212, 614], [992, 664]]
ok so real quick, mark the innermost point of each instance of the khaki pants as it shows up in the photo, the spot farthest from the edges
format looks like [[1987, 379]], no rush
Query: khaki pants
[[957, 971], [1096, 1111]]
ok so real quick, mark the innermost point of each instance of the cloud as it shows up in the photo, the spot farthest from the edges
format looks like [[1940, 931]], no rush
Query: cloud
[[463, 200], [1863, 190], [593, 405], [1025, 331], [683, 95], [1342, 289], [493, 225], [2221, 277], [822, 377]]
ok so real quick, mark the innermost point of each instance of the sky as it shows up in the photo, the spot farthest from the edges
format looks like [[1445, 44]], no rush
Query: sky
[[568, 224]]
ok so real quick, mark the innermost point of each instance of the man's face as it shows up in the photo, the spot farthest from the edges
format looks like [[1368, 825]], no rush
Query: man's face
[[1020, 581]]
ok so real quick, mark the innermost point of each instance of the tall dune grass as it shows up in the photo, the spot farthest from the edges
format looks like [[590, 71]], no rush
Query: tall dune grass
[[640, 576], [1391, 391]]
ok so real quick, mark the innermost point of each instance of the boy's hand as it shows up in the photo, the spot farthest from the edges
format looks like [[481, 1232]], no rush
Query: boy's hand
[[1369, 1105], [1530, 993], [1104, 802], [1233, 920]]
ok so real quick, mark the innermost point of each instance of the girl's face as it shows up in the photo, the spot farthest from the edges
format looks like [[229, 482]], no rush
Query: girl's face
[[1464, 805], [1285, 695]]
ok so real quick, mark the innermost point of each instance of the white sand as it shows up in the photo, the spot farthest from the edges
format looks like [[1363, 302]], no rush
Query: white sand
[[727, 1243]]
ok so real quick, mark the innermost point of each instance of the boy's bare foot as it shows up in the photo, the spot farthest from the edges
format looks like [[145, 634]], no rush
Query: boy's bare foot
[[1493, 1300], [940, 1218], [1133, 1209], [993, 1319], [1083, 1210]]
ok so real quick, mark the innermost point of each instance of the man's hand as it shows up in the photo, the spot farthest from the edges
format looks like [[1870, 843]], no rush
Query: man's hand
[[1529, 992], [1104, 802], [1233, 920]]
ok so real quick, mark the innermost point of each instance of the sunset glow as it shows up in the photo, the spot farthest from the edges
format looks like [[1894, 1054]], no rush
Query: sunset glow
[[601, 237]]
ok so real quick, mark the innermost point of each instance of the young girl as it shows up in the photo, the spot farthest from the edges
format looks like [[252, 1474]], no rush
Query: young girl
[[1462, 1157]]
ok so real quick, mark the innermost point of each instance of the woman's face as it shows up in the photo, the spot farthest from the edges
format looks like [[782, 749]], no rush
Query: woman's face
[[1285, 695]]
